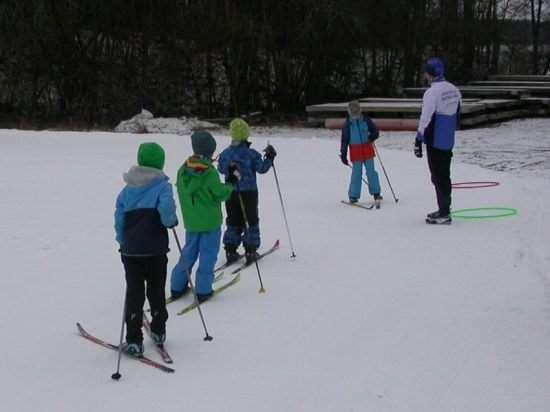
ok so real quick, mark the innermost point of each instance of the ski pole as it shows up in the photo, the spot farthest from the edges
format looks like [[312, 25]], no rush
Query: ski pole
[[207, 337], [247, 228], [293, 254], [116, 376], [384, 169]]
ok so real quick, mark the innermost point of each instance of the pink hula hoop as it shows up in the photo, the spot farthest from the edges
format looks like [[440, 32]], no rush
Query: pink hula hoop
[[474, 185]]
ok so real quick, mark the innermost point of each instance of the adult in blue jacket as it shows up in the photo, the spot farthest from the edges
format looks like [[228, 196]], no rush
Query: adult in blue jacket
[[436, 129], [248, 162], [145, 208]]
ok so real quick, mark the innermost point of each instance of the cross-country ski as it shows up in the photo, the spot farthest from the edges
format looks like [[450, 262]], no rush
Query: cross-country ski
[[142, 359]]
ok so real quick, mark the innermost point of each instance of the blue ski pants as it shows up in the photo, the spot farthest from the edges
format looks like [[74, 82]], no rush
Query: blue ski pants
[[204, 246], [356, 175]]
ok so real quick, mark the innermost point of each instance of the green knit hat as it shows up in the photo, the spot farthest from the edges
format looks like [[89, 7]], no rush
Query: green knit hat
[[203, 144], [151, 155], [239, 129]]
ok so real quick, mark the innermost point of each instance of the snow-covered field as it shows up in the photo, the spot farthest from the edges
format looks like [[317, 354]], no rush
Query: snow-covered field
[[379, 312]]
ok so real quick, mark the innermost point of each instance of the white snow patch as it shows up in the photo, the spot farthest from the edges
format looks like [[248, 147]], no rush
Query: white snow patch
[[145, 122]]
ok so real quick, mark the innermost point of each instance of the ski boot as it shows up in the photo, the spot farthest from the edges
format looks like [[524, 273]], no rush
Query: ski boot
[[176, 294], [159, 339], [133, 349], [201, 297], [251, 256], [432, 215], [231, 254], [438, 218], [377, 200]]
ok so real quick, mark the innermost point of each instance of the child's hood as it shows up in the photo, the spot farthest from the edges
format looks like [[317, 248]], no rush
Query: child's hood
[[194, 172], [140, 176], [245, 144]]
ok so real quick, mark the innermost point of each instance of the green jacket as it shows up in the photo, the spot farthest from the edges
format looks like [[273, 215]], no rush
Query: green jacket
[[201, 193]]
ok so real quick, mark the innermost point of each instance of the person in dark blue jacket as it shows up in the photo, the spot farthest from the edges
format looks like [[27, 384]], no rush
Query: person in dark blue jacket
[[145, 208], [248, 161]]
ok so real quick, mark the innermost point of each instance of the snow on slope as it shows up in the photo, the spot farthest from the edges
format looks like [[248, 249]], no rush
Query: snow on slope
[[379, 312]]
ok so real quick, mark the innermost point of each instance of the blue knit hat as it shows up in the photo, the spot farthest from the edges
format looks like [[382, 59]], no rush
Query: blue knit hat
[[434, 67], [203, 144]]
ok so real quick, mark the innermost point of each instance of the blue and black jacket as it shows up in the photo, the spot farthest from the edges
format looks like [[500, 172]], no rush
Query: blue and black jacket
[[250, 162], [144, 209]]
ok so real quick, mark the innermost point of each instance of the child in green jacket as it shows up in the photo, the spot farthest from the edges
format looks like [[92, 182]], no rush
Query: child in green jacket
[[200, 193]]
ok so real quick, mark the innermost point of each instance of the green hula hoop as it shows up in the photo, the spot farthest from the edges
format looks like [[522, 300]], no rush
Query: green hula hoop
[[494, 213]]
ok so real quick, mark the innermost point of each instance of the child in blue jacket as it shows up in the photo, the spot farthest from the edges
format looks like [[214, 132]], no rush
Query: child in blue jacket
[[359, 133], [248, 161], [145, 208]]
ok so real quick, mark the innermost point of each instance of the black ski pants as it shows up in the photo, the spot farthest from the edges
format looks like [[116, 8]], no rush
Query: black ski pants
[[235, 223], [145, 276], [234, 211], [439, 162]]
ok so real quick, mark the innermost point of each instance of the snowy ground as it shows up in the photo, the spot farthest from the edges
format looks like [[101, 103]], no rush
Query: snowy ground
[[379, 312]]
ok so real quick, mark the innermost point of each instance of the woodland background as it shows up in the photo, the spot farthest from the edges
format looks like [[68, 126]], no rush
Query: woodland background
[[96, 62]]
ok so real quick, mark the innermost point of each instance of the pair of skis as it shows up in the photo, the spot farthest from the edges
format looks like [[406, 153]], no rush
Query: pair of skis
[[160, 348], [220, 270], [143, 359], [236, 273], [171, 299], [367, 206], [246, 264]]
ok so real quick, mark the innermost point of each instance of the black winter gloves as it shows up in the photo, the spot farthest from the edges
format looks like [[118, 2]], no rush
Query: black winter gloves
[[234, 175], [344, 159], [417, 148], [270, 152]]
